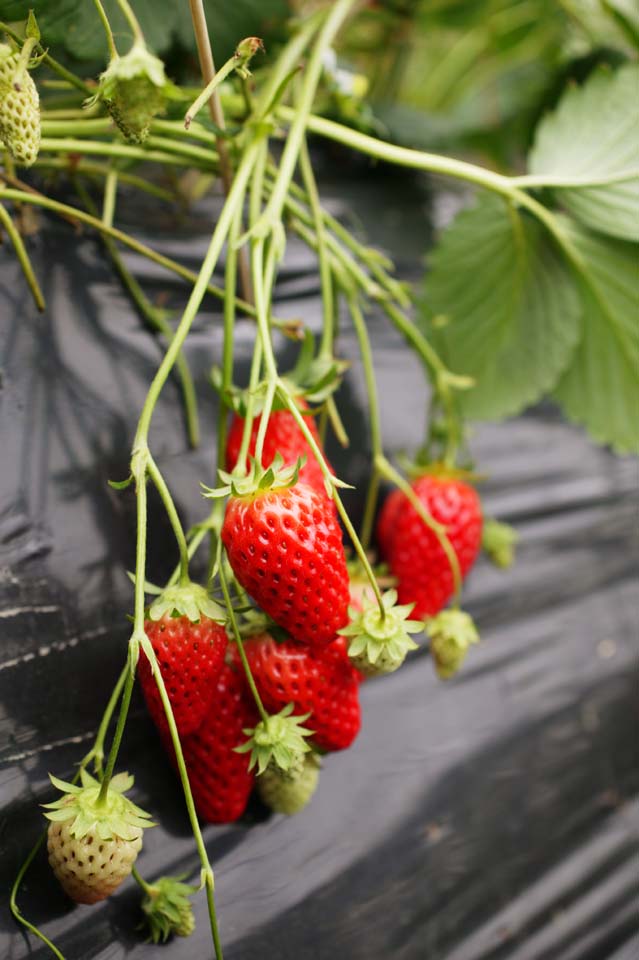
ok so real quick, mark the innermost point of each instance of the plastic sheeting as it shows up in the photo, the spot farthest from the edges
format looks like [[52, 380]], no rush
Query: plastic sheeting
[[493, 816]]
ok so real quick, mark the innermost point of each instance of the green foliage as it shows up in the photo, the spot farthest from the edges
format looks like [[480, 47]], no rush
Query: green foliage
[[74, 25], [600, 389], [594, 134], [502, 308], [535, 303]]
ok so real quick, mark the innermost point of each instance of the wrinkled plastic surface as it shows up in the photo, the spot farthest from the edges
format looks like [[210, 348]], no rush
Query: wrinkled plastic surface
[[493, 816]]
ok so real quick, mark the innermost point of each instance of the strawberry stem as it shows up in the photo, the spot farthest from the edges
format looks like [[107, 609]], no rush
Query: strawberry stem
[[328, 325], [209, 89], [23, 258], [132, 20], [169, 506], [373, 411], [113, 50]]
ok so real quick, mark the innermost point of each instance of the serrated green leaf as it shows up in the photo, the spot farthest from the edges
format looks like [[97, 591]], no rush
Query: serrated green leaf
[[600, 389], [511, 304], [593, 135]]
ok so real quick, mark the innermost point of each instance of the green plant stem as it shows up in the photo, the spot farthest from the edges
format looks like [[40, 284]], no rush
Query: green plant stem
[[23, 258], [337, 13], [402, 156], [234, 200], [350, 529], [113, 50], [119, 730], [216, 113], [64, 210], [188, 796], [254, 376], [336, 422], [328, 325], [132, 20], [176, 526], [389, 472], [287, 62], [207, 93], [96, 754], [13, 904], [240, 646], [103, 126], [375, 423], [89, 168], [156, 320], [50, 62], [175, 154], [230, 286], [141, 882]]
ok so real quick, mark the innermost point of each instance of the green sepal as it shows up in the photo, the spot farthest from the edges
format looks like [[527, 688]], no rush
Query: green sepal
[[452, 633], [32, 30], [380, 645], [244, 52], [278, 742], [168, 909], [116, 817], [498, 540], [121, 484], [186, 600], [257, 480]]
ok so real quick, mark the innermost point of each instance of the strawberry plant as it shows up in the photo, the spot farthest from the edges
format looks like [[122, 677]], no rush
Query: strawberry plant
[[252, 676]]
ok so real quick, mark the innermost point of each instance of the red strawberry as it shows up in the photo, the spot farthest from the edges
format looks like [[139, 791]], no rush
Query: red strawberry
[[319, 682], [220, 779], [415, 555], [190, 657], [283, 436], [386, 522], [285, 547]]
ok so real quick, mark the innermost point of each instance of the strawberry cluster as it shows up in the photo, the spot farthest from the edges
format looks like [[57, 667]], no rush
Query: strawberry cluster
[[261, 705]]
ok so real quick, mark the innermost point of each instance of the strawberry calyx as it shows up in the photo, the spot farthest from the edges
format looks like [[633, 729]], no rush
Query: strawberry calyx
[[115, 817], [498, 540], [313, 378], [437, 468], [186, 600], [168, 910], [379, 643], [258, 480], [451, 633], [278, 743]]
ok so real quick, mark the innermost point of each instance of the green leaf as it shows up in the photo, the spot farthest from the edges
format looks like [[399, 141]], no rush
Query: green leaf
[[600, 389], [75, 25], [593, 135], [511, 308]]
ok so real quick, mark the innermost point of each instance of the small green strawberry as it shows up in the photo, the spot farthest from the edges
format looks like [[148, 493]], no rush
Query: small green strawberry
[[379, 643], [168, 910], [92, 843], [451, 634], [278, 743], [498, 540], [289, 796], [19, 108], [133, 89]]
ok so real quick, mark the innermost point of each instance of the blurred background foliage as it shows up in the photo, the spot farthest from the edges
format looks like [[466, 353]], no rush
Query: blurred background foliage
[[459, 76]]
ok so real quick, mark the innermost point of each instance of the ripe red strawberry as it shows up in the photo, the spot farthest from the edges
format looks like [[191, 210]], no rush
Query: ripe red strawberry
[[319, 682], [219, 776], [386, 523], [282, 436], [285, 547], [190, 657], [414, 553], [190, 647]]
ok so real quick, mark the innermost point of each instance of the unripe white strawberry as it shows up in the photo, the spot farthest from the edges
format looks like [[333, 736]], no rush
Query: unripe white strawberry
[[285, 795], [93, 844], [19, 109]]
